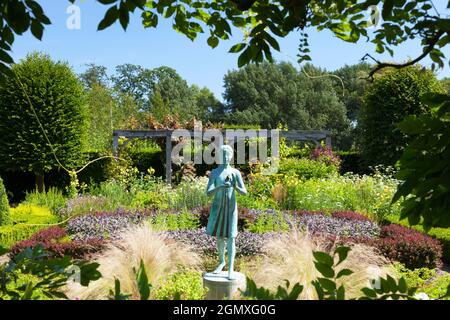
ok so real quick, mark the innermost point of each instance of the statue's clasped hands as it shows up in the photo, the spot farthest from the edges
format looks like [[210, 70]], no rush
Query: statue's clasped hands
[[228, 184]]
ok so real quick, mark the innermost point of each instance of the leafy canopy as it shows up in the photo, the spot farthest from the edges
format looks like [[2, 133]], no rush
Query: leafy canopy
[[425, 165], [272, 93], [262, 22], [392, 96]]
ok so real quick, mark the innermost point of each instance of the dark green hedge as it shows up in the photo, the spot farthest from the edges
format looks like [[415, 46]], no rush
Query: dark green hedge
[[18, 183]]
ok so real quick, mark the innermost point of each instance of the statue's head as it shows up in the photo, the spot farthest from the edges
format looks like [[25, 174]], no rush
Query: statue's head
[[226, 154]]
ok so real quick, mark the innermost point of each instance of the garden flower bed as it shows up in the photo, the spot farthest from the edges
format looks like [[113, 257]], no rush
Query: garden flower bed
[[88, 233]]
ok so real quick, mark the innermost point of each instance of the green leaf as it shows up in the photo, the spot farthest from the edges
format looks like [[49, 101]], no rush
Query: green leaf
[[37, 29], [237, 47], [124, 16], [28, 293], [344, 272], [447, 293], [323, 258], [149, 19], [388, 5], [8, 35], [169, 11], [342, 253], [319, 289], [244, 58], [340, 293], [327, 284], [213, 41], [295, 292], [89, 272], [433, 98], [110, 17], [324, 269], [142, 282], [402, 286], [273, 43], [370, 293], [117, 294], [5, 57], [17, 16]]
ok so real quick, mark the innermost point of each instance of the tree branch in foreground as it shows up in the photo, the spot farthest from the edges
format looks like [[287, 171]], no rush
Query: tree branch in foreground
[[381, 65]]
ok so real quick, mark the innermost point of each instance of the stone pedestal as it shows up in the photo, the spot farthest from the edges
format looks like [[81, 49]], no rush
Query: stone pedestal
[[219, 287]]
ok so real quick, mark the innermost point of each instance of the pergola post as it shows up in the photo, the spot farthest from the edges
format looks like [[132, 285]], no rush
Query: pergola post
[[169, 157]]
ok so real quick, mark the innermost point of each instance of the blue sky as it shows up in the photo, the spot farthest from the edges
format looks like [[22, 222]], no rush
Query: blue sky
[[195, 61]]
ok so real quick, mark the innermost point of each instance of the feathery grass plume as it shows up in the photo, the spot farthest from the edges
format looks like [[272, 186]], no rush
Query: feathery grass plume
[[161, 256], [290, 256]]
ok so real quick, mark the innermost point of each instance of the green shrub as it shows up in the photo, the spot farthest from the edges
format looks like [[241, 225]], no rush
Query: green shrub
[[22, 279], [306, 168], [116, 194], [393, 96], [437, 287], [370, 195], [269, 222], [185, 285], [52, 199], [416, 277], [26, 219], [188, 194], [32, 214], [4, 205], [149, 200], [149, 158], [182, 221], [428, 281]]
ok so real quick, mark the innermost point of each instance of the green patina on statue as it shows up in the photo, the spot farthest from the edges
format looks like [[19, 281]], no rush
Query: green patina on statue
[[223, 183]]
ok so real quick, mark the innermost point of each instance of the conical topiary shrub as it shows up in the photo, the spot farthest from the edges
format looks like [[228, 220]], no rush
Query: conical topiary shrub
[[4, 205]]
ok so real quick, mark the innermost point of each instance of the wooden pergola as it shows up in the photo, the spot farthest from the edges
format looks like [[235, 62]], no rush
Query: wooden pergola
[[293, 135]]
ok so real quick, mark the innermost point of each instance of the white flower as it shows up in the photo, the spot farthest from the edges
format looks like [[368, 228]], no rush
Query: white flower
[[421, 296]]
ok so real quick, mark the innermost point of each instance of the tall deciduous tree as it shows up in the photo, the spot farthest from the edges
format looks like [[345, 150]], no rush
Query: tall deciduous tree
[[162, 89], [269, 94], [351, 86], [206, 104], [263, 22], [42, 117], [393, 96], [94, 75], [446, 83]]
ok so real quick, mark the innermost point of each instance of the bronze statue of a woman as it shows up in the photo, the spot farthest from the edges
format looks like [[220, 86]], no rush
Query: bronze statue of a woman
[[223, 183]]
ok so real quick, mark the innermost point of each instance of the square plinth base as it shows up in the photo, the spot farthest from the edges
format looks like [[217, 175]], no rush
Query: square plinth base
[[220, 287]]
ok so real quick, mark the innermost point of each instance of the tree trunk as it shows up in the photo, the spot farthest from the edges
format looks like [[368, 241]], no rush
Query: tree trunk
[[40, 181]]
